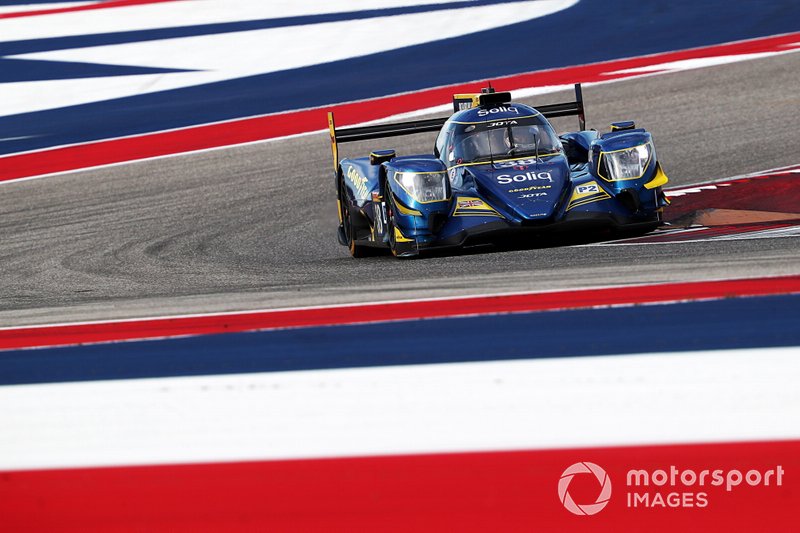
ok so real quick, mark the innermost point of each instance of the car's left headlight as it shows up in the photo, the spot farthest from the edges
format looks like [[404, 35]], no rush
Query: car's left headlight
[[628, 163], [424, 186]]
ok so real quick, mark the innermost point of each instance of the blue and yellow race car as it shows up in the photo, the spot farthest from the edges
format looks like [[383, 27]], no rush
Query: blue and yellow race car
[[498, 172]]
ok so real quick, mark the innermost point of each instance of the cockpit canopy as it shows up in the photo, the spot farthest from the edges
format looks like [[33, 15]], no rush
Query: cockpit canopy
[[482, 134]]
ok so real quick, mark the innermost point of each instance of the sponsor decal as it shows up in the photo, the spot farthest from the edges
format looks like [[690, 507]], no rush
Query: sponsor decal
[[531, 188], [471, 206], [358, 181], [505, 179], [495, 110], [587, 193], [378, 214], [589, 188], [509, 122], [533, 195], [517, 164]]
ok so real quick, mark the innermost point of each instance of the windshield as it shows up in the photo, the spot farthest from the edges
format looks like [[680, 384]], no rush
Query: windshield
[[502, 139]]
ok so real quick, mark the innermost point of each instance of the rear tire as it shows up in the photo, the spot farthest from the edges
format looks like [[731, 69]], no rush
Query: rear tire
[[356, 250]]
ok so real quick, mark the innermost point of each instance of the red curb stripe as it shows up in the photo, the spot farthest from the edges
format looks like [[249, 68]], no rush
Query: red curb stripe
[[495, 491], [90, 7], [100, 153], [151, 328]]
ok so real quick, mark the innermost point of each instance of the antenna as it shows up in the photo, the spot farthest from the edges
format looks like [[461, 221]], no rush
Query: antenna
[[489, 89]]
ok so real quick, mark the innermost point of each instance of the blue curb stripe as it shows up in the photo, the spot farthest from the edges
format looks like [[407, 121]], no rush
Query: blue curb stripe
[[772, 321]]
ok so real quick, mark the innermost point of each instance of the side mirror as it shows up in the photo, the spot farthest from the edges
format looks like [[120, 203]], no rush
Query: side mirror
[[623, 125]]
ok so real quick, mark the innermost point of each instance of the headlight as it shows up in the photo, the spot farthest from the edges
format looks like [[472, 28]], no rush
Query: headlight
[[424, 186], [629, 163]]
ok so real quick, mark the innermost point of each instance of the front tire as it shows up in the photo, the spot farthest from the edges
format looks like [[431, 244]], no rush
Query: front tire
[[398, 249]]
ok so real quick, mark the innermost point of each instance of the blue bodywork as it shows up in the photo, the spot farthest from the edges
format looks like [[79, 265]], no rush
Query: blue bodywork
[[572, 186]]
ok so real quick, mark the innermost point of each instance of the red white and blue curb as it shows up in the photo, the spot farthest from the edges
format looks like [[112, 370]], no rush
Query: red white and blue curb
[[68, 334], [249, 130]]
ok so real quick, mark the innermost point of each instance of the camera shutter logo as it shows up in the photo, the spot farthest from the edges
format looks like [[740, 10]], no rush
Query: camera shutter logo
[[588, 508]]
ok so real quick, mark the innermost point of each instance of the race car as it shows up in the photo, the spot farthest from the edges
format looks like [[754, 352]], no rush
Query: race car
[[498, 173]]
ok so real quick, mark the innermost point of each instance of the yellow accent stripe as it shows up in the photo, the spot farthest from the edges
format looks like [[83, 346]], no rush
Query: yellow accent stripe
[[334, 148], [591, 199], [477, 214], [405, 210], [658, 180], [481, 210], [399, 237]]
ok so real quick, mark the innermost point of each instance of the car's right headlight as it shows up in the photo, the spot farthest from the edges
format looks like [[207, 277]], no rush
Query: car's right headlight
[[424, 186], [628, 163]]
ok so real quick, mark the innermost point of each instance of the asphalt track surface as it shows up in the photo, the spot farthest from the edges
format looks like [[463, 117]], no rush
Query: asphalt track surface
[[253, 227]]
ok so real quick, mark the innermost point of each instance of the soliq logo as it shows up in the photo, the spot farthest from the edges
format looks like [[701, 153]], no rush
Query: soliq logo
[[687, 488]]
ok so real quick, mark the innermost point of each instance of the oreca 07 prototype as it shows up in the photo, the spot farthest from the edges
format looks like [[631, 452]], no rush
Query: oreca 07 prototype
[[498, 171]]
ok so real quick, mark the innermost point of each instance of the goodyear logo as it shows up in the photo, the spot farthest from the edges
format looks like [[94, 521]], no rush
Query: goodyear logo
[[358, 181], [531, 188]]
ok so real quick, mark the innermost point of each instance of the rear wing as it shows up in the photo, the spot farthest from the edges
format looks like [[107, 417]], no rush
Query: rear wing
[[566, 109], [365, 133]]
